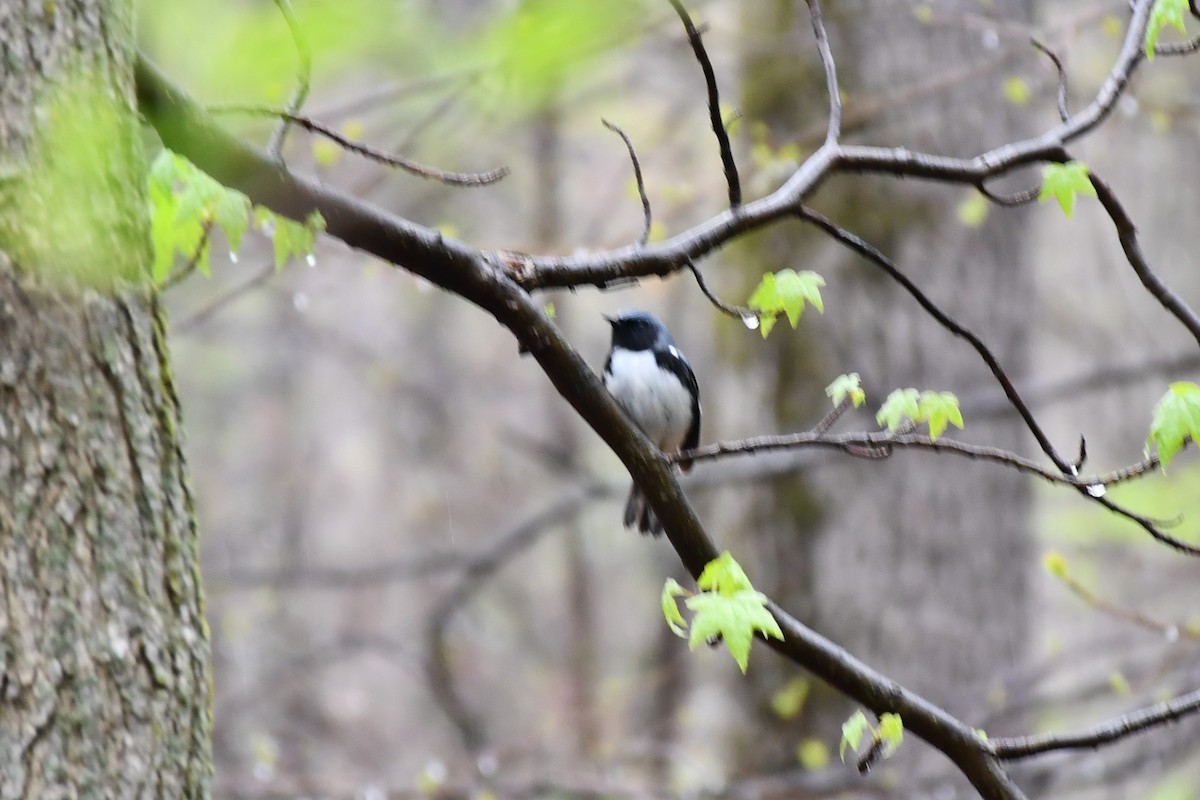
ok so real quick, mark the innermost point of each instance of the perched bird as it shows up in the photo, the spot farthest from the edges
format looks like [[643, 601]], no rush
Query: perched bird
[[650, 378]]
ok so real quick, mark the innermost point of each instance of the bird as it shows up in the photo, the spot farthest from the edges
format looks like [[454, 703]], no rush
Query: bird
[[652, 381]]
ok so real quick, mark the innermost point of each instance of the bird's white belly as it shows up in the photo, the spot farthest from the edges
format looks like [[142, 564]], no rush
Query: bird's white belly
[[654, 398]]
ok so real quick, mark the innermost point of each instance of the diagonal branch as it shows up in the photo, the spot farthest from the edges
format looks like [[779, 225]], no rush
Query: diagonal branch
[[451, 265], [714, 105], [388, 159], [1127, 234], [883, 262]]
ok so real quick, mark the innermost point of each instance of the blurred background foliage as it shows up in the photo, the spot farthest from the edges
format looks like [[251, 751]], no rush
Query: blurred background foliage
[[417, 581]]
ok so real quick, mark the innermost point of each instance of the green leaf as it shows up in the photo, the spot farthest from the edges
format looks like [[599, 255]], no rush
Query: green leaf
[[670, 607], [291, 238], [786, 292], [734, 618], [1016, 91], [939, 409], [788, 702], [891, 732], [1055, 563], [900, 405], [844, 386], [812, 754], [184, 202], [973, 211], [1164, 13], [1176, 419], [852, 733], [232, 213], [723, 575], [1063, 182]]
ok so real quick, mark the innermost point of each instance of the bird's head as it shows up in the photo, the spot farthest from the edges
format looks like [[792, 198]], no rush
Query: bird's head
[[637, 330]]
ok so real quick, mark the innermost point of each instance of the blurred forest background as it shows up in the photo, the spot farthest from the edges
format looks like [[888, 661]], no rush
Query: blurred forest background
[[416, 577]]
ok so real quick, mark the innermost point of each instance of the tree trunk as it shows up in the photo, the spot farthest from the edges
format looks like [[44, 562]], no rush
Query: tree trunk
[[104, 672], [917, 565]]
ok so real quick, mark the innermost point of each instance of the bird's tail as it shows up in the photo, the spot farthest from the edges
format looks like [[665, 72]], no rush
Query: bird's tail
[[639, 513]]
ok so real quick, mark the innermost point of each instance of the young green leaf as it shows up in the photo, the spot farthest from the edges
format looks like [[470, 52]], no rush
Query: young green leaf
[[1063, 182], [900, 405], [891, 732], [1055, 563], [786, 292], [844, 386], [1176, 419], [788, 702], [852, 733], [1164, 13], [723, 575], [185, 204], [670, 607], [734, 618], [939, 409]]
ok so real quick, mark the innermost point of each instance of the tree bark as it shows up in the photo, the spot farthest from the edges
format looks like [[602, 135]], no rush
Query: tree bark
[[104, 667], [917, 565]]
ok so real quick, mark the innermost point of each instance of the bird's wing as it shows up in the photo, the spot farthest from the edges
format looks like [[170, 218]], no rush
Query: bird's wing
[[673, 361]]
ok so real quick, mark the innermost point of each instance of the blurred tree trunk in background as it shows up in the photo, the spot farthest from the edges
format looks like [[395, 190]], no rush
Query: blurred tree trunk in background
[[895, 574], [103, 644]]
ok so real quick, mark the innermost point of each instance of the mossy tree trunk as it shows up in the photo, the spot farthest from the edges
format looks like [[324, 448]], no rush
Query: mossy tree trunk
[[104, 670]]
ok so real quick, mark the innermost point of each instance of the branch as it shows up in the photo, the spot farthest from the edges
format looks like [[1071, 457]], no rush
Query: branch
[[472, 275], [883, 262], [831, 80], [641, 184], [879, 445], [601, 269], [1063, 113], [1010, 749], [400, 162], [714, 105], [1127, 234]]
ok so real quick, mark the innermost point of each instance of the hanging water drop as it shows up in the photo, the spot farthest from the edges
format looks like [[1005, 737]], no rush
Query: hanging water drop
[[311, 260], [233, 256], [750, 321]]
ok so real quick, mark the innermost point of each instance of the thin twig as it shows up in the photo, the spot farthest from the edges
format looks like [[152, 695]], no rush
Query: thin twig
[[714, 105], [641, 184], [1150, 526], [303, 78], [1021, 198], [1010, 749], [883, 262], [737, 312], [882, 442], [831, 81], [1063, 113], [1166, 629], [400, 162], [1127, 234]]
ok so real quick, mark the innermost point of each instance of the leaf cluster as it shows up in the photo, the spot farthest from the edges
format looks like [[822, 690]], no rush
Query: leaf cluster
[[727, 608], [186, 204]]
